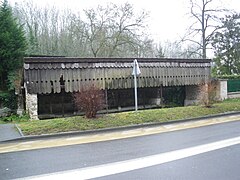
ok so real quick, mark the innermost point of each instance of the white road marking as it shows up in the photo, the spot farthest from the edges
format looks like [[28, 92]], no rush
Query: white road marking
[[134, 164]]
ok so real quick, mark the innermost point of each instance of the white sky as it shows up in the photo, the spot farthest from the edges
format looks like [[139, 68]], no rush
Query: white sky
[[168, 18]]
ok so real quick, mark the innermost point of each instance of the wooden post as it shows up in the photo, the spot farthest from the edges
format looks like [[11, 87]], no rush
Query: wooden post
[[106, 99], [161, 92], [62, 99], [161, 95], [144, 98], [50, 102]]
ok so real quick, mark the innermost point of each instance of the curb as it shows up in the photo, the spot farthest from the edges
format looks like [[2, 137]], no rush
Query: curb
[[114, 129], [19, 130]]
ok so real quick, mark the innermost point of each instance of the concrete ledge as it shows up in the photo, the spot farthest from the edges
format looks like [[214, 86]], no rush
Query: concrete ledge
[[232, 95]]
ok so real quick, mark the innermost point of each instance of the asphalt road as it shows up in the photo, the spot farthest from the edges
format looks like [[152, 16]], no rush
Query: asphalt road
[[217, 164], [8, 131], [222, 164]]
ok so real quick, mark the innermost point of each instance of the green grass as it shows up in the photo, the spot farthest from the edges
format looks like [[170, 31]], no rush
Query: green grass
[[14, 119], [79, 123]]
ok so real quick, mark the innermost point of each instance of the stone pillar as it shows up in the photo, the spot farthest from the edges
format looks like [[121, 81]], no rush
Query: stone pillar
[[192, 93], [32, 106], [221, 90]]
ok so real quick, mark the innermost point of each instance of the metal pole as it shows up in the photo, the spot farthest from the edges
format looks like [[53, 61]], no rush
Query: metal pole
[[135, 87]]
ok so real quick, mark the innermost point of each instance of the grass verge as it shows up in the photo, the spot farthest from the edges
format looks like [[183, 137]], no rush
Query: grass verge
[[14, 119], [79, 123]]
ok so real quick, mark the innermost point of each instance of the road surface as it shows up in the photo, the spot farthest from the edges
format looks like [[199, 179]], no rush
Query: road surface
[[209, 152]]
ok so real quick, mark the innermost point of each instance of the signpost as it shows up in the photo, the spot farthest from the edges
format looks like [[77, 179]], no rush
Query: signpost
[[136, 71]]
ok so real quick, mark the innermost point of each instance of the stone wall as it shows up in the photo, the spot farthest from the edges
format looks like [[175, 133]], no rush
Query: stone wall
[[32, 106], [222, 91], [192, 93]]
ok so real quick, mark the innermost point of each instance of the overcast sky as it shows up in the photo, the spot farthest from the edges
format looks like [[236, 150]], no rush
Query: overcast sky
[[168, 18]]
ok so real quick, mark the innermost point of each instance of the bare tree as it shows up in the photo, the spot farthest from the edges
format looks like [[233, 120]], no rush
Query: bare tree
[[51, 31], [97, 27], [159, 51], [127, 26], [113, 26], [105, 31], [176, 49], [206, 16]]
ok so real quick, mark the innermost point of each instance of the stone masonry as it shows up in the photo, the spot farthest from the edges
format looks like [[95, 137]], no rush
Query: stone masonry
[[192, 93], [223, 89], [32, 105]]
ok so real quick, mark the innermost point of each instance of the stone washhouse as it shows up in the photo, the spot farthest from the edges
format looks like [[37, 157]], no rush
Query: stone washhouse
[[50, 81]]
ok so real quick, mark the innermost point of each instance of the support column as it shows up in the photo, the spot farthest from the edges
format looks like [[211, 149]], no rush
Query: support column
[[32, 105], [223, 89], [106, 100], [192, 93]]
